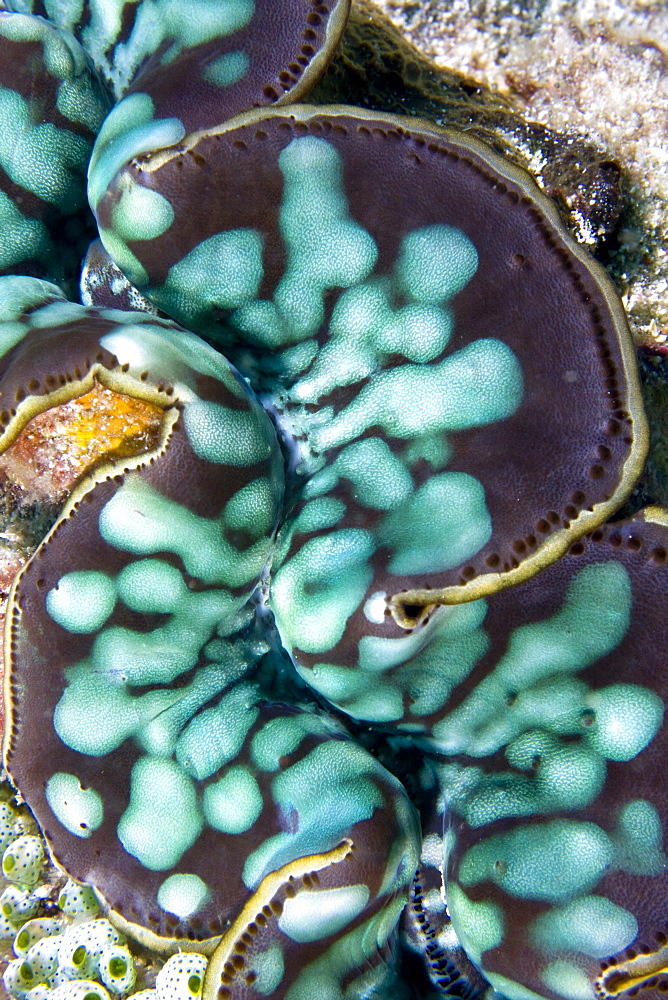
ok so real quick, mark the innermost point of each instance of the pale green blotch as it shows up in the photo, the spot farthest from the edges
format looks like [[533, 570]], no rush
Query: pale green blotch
[[63, 56], [159, 735], [82, 601], [426, 665], [227, 69], [568, 981], [310, 916], [329, 790], [551, 862], [592, 925], [79, 810], [379, 928], [326, 248], [459, 644], [627, 718], [317, 515], [41, 158], [55, 314], [216, 735], [183, 895], [222, 272], [19, 295], [566, 642], [433, 448], [163, 818], [279, 737], [478, 385], [20, 238], [160, 22], [81, 101], [638, 839], [431, 662], [379, 477], [420, 332], [538, 667], [441, 525], [568, 776], [479, 926], [228, 437], [435, 263], [404, 855], [170, 354], [261, 323], [365, 329], [28, 29], [252, 509], [359, 695], [315, 593], [152, 586], [140, 520], [214, 20], [80, 97], [184, 26], [140, 213], [233, 803], [123, 257], [269, 967], [10, 333], [128, 130], [341, 963], [94, 717]]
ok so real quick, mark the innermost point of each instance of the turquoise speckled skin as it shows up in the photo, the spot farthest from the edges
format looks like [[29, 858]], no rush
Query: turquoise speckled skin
[[51, 107], [190, 742], [553, 776], [397, 497]]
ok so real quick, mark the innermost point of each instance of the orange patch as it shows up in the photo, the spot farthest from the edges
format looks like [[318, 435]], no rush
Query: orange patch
[[60, 445]]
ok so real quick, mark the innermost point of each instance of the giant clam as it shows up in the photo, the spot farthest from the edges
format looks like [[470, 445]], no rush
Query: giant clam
[[391, 508]]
